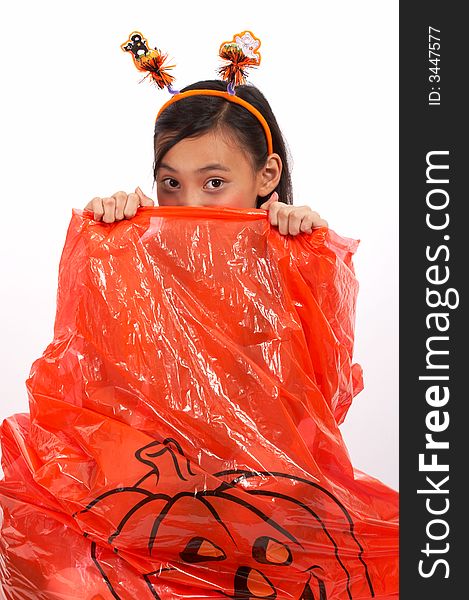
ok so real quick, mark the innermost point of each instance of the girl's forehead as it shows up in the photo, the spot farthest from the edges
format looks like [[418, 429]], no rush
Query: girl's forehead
[[217, 138], [209, 149]]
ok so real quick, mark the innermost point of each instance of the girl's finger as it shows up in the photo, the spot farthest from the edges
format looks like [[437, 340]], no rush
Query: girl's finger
[[297, 218], [283, 216], [273, 198], [97, 208], [109, 206], [133, 202], [144, 200], [307, 223], [277, 208], [274, 210], [320, 223], [121, 199], [311, 221]]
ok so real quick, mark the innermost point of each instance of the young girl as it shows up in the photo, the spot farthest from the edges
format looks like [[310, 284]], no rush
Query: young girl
[[212, 152], [184, 437]]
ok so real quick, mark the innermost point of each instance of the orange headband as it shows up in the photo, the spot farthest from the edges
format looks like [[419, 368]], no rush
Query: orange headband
[[240, 53], [231, 98]]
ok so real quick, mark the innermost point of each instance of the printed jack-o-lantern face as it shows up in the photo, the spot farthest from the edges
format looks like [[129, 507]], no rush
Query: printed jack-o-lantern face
[[251, 535]]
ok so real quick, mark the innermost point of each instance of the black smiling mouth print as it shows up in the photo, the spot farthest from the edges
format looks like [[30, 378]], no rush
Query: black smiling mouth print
[[244, 538]]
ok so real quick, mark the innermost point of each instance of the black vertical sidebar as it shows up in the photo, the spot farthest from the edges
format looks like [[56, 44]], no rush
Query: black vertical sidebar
[[434, 330]]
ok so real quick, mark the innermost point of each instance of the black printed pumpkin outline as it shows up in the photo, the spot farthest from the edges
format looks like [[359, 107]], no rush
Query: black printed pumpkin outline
[[241, 590]]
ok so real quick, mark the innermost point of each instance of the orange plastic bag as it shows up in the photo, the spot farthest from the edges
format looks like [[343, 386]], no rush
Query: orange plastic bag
[[183, 438]]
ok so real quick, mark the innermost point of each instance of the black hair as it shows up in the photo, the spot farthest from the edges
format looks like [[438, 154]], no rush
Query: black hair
[[196, 115]]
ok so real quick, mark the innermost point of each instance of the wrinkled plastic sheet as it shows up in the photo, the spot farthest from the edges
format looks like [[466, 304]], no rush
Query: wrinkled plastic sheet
[[182, 439]]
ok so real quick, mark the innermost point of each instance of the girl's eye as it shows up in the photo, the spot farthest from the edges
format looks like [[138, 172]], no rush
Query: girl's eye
[[217, 183], [171, 183]]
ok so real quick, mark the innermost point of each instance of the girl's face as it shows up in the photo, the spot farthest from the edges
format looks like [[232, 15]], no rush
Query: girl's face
[[211, 170]]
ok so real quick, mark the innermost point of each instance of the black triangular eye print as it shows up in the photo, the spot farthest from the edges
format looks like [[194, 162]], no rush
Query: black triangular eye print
[[270, 551], [200, 549], [250, 583]]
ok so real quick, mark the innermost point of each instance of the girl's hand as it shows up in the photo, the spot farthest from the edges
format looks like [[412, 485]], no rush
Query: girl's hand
[[292, 219], [119, 206]]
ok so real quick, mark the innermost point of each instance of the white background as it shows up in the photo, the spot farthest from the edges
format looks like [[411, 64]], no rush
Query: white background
[[75, 124]]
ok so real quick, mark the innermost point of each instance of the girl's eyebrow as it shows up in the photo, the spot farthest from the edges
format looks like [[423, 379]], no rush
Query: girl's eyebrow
[[211, 167], [165, 166]]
